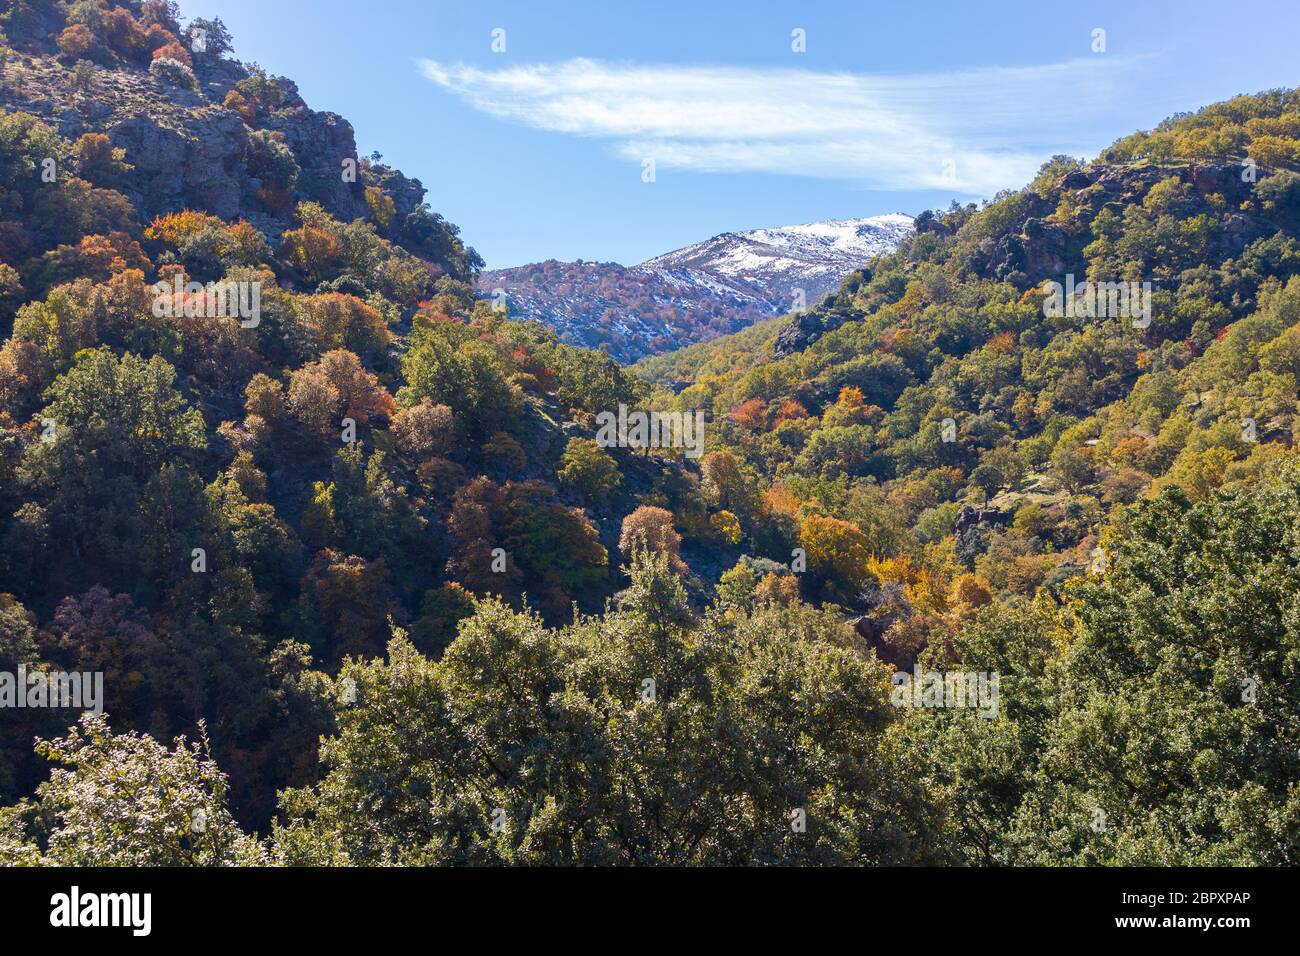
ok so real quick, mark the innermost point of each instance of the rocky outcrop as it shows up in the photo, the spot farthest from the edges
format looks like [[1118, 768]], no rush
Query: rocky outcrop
[[187, 150], [320, 143], [1041, 250], [194, 158], [407, 194], [971, 528], [805, 328], [1045, 250], [801, 331]]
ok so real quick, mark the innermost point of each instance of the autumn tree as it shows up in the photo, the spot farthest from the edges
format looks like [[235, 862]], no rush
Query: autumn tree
[[651, 529], [836, 552], [424, 430], [341, 321], [316, 253], [106, 633]]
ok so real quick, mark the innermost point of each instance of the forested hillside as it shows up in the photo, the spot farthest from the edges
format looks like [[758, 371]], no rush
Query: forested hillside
[[207, 506], [365, 587], [944, 408]]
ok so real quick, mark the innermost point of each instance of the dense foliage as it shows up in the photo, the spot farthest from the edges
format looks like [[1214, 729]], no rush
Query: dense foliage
[[364, 563]]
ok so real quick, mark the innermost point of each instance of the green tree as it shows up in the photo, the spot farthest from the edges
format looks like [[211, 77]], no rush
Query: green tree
[[447, 367], [644, 737], [114, 424], [588, 470], [1164, 730]]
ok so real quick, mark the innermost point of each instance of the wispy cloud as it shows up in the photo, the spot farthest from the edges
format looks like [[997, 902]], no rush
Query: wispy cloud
[[972, 132]]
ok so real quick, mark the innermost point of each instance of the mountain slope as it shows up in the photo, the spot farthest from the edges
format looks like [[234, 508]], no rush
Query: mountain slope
[[942, 405], [695, 293], [215, 134], [626, 311], [212, 507], [813, 256]]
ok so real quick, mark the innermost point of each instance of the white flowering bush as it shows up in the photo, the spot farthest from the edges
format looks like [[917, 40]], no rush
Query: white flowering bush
[[126, 800], [174, 73]]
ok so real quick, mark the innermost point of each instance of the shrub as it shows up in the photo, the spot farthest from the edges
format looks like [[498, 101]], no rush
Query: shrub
[[174, 73]]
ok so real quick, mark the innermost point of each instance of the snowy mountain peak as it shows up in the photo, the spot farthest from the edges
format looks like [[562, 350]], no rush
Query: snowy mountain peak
[[816, 254], [698, 292]]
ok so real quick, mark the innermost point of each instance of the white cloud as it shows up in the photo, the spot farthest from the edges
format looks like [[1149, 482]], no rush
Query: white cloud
[[972, 132]]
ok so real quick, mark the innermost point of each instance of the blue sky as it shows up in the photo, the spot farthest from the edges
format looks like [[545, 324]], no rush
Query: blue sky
[[540, 151]]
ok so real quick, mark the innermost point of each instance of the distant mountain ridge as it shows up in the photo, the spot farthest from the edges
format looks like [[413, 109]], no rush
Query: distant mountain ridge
[[812, 256], [698, 292]]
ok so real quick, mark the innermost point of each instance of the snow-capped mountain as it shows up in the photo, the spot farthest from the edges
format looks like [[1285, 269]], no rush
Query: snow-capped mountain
[[695, 293], [813, 257]]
